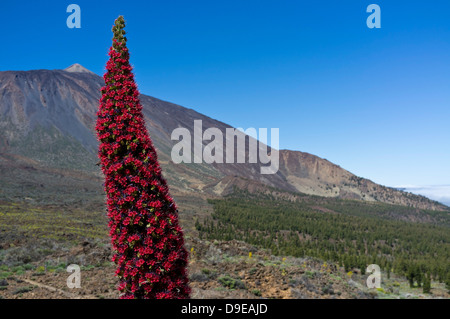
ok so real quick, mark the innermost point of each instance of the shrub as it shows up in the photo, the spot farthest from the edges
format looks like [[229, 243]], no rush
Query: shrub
[[28, 266], [231, 283], [206, 271], [40, 269], [382, 290], [5, 274], [22, 290], [328, 290], [199, 276], [256, 292], [252, 271]]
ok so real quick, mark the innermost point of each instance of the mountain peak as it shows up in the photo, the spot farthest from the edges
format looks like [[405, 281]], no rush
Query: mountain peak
[[40, 108], [77, 68]]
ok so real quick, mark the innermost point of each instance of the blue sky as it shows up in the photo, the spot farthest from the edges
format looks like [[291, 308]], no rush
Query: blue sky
[[374, 101]]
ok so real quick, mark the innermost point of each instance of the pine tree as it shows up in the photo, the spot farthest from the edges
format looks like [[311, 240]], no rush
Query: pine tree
[[410, 276], [419, 276], [143, 218], [427, 284], [447, 283]]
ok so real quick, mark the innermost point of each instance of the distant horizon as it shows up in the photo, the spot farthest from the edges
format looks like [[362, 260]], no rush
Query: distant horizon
[[440, 193]]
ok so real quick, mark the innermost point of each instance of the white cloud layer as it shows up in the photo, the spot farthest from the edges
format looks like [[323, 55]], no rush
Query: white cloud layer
[[440, 193]]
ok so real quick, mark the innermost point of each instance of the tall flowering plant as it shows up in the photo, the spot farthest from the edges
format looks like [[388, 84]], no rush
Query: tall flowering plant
[[146, 237]]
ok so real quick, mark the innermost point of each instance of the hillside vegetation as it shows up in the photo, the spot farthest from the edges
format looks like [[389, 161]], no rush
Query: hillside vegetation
[[403, 240]]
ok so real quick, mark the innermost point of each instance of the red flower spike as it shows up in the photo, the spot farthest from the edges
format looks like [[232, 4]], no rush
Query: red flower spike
[[151, 261]]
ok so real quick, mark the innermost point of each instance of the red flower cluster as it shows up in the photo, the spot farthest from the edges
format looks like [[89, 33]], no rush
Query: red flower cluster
[[143, 220]]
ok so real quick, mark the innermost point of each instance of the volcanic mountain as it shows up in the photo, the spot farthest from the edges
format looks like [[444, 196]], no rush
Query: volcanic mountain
[[47, 120]]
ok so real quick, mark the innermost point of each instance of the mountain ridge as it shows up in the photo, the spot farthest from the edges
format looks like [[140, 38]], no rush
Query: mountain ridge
[[44, 112]]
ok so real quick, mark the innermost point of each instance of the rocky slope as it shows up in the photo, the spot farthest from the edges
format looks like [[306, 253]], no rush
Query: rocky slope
[[47, 119], [218, 270]]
